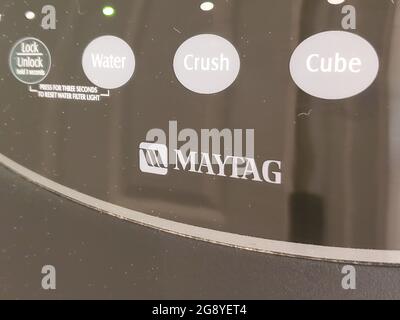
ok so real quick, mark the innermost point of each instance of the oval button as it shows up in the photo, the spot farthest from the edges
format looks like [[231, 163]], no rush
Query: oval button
[[334, 65], [206, 64], [108, 62], [30, 61]]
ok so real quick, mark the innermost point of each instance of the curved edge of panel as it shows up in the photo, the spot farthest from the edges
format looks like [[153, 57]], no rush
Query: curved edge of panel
[[307, 251]]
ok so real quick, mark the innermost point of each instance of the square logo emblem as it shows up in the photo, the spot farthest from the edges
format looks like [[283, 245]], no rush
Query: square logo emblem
[[153, 158]]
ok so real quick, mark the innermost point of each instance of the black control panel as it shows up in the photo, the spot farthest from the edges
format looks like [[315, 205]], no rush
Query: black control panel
[[256, 123]]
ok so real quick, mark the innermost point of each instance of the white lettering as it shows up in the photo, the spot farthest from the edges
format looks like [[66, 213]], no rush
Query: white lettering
[[193, 63], [108, 62], [337, 64]]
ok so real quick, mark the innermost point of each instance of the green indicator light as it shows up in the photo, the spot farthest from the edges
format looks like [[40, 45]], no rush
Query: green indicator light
[[108, 11]]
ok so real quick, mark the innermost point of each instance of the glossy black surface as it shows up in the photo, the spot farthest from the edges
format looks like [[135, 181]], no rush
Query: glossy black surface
[[99, 257], [340, 158]]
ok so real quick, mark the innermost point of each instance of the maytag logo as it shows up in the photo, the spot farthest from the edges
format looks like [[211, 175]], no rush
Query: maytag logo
[[153, 158], [231, 166], [223, 161]]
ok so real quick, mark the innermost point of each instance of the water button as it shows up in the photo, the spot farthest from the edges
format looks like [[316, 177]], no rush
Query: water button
[[334, 65], [108, 62]]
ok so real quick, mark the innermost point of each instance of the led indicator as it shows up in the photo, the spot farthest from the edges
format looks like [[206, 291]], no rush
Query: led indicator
[[30, 15], [207, 6], [108, 11], [336, 1]]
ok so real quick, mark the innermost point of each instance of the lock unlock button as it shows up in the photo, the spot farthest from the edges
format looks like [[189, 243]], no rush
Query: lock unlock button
[[30, 61], [334, 65]]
